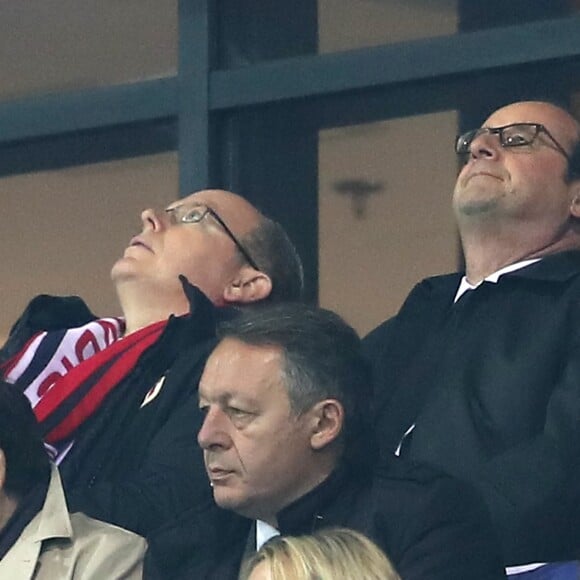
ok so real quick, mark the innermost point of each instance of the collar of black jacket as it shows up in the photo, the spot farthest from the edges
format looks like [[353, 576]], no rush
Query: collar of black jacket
[[556, 267], [553, 268], [307, 513]]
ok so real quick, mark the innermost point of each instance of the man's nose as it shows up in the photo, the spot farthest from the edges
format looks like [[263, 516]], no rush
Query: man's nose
[[485, 145], [152, 220], [213, 433]]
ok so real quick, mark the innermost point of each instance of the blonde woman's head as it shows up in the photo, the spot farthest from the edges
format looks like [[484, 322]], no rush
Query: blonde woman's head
[[326, 555]]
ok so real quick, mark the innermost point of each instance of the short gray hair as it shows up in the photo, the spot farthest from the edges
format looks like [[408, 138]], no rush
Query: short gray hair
[[322, 359]]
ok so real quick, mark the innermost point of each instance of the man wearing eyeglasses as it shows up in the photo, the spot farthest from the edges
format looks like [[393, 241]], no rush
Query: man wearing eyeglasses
[[114, 397], [479, 373]]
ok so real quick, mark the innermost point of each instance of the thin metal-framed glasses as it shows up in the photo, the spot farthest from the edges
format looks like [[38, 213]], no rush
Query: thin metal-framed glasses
[[195, 214], [513, 135]]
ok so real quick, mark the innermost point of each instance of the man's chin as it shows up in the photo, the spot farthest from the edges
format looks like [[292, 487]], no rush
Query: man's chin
[[123, 269], [474, 203], [224, 501], [228, 500]]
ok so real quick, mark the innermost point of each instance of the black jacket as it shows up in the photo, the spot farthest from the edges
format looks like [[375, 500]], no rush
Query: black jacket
[[431, 526], [132, 465], [492, 384]]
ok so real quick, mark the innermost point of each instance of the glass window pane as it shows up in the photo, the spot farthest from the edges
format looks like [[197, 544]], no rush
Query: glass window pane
[[63, 230], [251, 32], [385, 213], [363, 23], [58, 45]]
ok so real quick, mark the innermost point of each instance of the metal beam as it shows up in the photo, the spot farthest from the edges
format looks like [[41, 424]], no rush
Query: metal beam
[[335, 73], [289, 79], [195, 152], [89, 109], [85, 147]]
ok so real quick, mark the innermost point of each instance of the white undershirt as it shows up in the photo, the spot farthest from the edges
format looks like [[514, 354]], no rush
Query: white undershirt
[[264, 532], [465, 285]]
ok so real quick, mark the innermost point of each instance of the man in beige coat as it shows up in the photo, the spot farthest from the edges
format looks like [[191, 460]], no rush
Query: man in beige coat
[[39, 539]]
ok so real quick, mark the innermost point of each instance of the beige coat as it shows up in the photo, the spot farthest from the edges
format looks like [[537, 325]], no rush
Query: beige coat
[[57, 545]]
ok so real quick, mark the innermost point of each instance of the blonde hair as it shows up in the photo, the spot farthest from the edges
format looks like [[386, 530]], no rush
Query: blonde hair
[[326, 555]]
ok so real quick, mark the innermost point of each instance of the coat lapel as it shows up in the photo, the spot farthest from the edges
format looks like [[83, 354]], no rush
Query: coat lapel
[[51, 522], [411, 359]]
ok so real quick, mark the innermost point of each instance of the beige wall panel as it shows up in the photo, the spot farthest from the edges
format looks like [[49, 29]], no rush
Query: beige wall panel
[[63, 230], [59, 45], [348, 24], [369, 262]]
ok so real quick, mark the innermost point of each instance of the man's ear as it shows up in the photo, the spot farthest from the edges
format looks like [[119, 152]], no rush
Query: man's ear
[[2, 469], [327, 423], [248, 286], [575, 205]]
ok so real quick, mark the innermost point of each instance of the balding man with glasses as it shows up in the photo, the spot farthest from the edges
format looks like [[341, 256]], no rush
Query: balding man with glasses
[[479, 373], [114, 396]]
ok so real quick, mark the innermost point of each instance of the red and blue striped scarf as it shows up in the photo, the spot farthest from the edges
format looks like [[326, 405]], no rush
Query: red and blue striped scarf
[[67, 374]]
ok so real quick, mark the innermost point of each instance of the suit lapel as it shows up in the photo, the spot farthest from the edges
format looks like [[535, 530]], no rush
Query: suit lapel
[[21, 560], [414, 352]]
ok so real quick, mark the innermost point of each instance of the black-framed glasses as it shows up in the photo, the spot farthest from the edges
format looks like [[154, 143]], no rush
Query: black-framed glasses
[[513, 135], [194, 214]]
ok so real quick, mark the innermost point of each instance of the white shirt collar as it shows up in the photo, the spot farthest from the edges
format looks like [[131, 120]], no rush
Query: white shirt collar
[[465, 286], [264, 532]]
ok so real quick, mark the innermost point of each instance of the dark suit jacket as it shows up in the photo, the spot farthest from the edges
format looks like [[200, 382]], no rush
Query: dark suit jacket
[[493, 386], [431, 526]]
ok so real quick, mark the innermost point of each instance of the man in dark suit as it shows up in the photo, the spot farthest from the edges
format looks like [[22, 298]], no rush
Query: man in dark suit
[[479, 373], [287, 442]]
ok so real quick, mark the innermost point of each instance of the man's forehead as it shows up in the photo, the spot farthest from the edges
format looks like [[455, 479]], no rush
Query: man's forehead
[[532, 112], [235, 366], [217, 197]]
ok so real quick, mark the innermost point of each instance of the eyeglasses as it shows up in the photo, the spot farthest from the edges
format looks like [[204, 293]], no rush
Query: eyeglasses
[[514, 135], [193, 215]]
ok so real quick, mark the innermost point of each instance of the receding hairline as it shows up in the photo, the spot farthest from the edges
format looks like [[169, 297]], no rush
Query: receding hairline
[[240, 214]]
